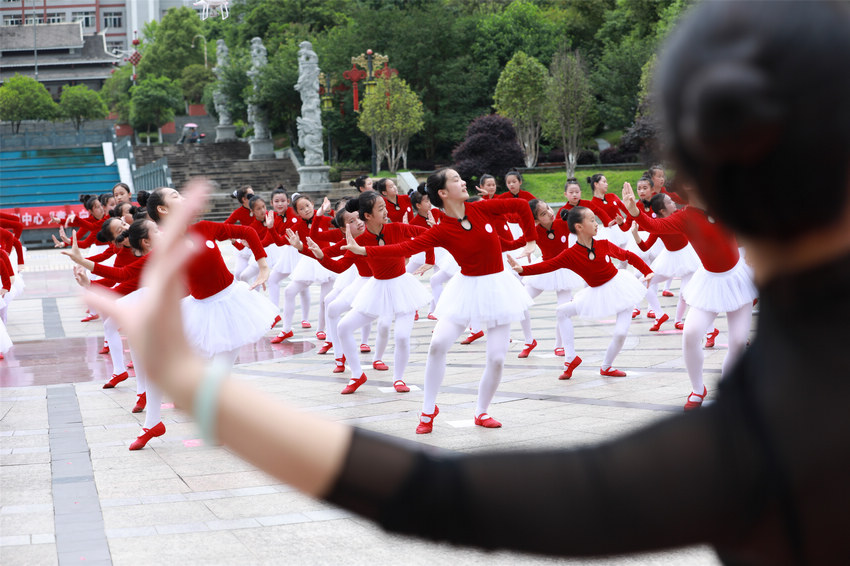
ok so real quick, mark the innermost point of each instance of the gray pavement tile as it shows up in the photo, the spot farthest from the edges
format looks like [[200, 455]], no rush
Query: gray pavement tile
[[126, 532], [32, 508], [27, 555], [226, 525], [82, 523], [100, 553], [183, 528], [46, 538]]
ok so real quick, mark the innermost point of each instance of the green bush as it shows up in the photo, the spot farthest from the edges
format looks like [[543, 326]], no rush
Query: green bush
[[335, 174]]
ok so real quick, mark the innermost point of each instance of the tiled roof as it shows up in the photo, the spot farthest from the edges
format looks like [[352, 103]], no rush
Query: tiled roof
[[48, 36]]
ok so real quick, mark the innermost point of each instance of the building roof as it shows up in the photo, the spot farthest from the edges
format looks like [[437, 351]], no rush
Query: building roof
[[48, 36]]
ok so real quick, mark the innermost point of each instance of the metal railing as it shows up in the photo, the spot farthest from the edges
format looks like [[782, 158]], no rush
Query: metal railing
[[153, 175], [46, 135]]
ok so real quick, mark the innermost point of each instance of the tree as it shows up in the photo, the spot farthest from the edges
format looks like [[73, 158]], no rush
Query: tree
[[171, 50], [569, 103], [24, 98], [193, 81], [520, 96], [392, 114], [80, 103], [153, 103], [490, 146], [116, 92]]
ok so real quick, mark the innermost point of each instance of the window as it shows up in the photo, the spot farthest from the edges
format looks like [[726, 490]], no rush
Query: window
[[14, 20], [56, 18], [88, 18], [113, 46], [113, 19]]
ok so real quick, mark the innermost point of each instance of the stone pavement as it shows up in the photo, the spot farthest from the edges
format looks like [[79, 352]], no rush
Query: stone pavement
[[71, 492]]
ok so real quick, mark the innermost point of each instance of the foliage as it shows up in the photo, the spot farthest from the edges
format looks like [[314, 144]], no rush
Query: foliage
[[171, 48], [549, 186], [116, 92], [392, 114], [521, 96], [194, 80], [491, 146], [80, 103], [569, 104], [24, 98], [616, 155], [235, 83], [277, 94], [153, 103]]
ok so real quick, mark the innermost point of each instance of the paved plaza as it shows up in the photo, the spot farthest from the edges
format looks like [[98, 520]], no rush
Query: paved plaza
[[72, 493]]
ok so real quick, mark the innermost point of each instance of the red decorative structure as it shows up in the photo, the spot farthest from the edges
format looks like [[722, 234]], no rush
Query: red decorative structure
[[355, 75]]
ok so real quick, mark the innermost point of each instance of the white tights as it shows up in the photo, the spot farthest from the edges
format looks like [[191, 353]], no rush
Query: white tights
[[298, 287], [700, 322], [274, 293], [335, 307], [403, 327], [438, 280], [116, 347], [652, 296], [564, 296], [445, 334], [153, 394], [621, 329]]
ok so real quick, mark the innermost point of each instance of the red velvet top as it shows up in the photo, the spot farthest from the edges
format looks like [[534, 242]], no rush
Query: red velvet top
[[6, 271], [8, 242], [391, 267], [612, 205], [128, 276], [242, 216], [595, 207], [12, 222], [207, 274], [396, 210], [596, 271], [525, 195], [478, 251], [347, 259], [551, 247]]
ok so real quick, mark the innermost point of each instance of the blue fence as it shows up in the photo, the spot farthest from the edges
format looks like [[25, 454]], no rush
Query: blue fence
[[153, 175]]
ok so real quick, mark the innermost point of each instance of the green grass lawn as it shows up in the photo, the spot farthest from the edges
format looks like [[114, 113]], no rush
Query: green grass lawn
[[550, 186]]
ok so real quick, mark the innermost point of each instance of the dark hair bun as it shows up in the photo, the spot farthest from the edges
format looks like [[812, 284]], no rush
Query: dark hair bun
[[85, 198], [142, 198], [352, 183], [590, 180], [353, 205]]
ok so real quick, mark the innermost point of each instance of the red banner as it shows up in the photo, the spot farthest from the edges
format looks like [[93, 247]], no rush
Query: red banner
[[38, 217]]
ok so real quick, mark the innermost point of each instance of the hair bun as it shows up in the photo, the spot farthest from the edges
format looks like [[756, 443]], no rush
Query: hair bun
[[590, 180], [730, 114], [353, 205], [142, 198]]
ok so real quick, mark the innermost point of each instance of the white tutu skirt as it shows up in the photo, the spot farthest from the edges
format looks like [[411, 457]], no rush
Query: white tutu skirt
[[676, 264], [345, 278], [5, 339], [352, 288], [230, 319], [558, 280], [615, 236], [287, 259], [721, 292], [484, 300], [622, 292], [448, 264], [17, 288], [309, 270], [390, 297]]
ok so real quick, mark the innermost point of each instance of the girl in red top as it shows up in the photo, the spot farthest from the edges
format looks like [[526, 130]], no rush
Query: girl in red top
[[553, 237], [263, 223], [287, 256], [722, 284], [645, 247], [397, 205], [97, 216], [609, 289], [483, 294], [613, 207], [677, 259], [486, 186], [12, 222], [572, 194], [122, 194], [7, 276], [513, 180], [241, 215], [391, 292], [308, 271], [425, 217]]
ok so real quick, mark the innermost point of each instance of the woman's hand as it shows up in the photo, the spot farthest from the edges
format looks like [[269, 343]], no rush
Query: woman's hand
[[269, 219], [516, 267], [629, 200], [81, 276], [314, 248], [647, 278], [57, 243], [530, 248], [263, 275], [351, 244], [422, 269], [430, 221], [326, 206], [294, 239]]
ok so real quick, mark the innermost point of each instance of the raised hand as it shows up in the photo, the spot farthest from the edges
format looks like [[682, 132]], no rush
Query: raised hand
[[314, 248], [326, 206], [262, 275], [57, 243], [351, 244], [514, 265], [430, 221], [294, 239], [422, 269], [404, 219], [269, 219], [629, 200]]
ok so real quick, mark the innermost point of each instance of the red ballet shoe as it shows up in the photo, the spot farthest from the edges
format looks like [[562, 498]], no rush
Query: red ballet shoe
[[650, 314], [140, 442], [679, 325], [141, 402], [710, 337], [282, 336], [400, 386], [90, 317], [431, 316], [635, 313], [320, 335], [658, 322], [277, 320], [340, 364], [2, 357], [365, 349], [130, 365], [666, 293], [105, 349], [695, 400], [379, 365], [528, 348], [611, 372], [473, 337], [116, 379], [354, 384], [559, 352], [427, 427], [569, 367], [416, 316], [487, 421], [306, 324], [326, 348]]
